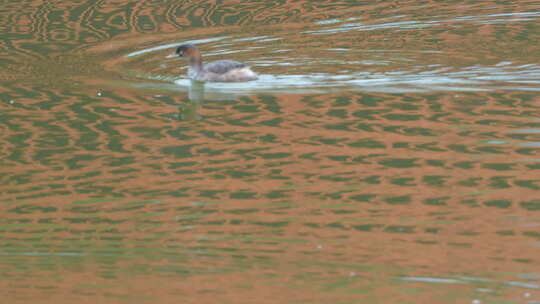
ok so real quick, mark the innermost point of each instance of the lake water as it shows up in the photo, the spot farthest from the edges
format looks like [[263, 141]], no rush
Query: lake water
[[389, 153]]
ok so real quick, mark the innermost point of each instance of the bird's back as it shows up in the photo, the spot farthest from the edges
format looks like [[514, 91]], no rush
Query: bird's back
[[223, 66]]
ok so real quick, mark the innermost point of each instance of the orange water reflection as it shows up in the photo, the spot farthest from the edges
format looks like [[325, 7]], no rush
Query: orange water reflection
[[112, 193]]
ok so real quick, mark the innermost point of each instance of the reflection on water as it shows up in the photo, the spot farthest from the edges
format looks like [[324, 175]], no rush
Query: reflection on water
[[388, 153], [196, 94]]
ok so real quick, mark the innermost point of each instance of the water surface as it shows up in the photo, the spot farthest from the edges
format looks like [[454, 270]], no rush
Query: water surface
[[389, 153]]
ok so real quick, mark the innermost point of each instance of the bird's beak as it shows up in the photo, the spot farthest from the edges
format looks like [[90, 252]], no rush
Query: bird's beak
[[172, 55]]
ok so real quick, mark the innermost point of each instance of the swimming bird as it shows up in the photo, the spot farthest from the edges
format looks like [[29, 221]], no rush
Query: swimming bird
[[216, 71]]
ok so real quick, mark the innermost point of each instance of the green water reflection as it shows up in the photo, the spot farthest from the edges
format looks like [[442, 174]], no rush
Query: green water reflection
[[389, 153]]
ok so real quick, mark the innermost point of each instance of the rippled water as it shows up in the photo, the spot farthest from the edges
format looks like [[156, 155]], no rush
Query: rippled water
[[389, 153]]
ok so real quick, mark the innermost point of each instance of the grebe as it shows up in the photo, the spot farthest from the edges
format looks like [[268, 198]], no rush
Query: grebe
[[219, 71]]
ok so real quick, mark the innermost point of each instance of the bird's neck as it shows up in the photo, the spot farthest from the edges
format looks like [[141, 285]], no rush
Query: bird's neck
[[195, 62]]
